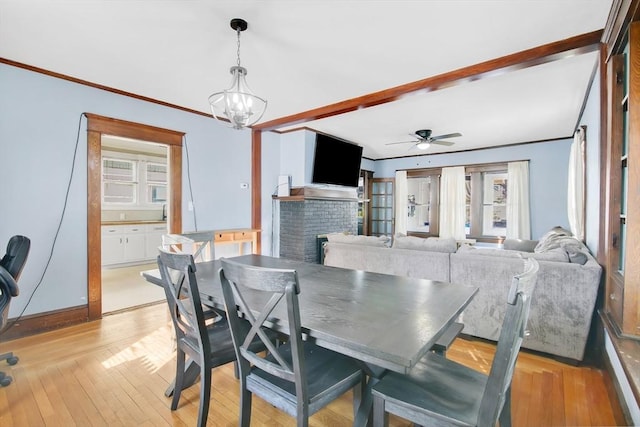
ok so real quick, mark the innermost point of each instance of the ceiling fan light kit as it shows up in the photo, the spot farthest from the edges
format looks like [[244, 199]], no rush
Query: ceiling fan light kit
[[425, 139], [238, 104]]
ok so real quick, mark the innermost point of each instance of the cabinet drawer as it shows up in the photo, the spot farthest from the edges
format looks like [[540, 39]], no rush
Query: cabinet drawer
[[131, 229], [156, 228], [111, 230], [224, 237], [242, 236]]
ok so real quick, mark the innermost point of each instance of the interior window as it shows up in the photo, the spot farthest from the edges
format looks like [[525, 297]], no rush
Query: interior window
[[118, 181], [494, 206], [156, 183]]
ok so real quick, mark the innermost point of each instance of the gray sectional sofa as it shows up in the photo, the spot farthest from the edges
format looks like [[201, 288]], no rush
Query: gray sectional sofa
[[563, 301]]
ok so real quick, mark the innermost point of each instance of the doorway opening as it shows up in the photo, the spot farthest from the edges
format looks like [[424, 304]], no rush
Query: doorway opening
[[135, 183], [97, 128]]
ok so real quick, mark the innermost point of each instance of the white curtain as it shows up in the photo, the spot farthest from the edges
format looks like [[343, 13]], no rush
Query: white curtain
[[575, 189], [401, 200], [452, 203], [518, 213]]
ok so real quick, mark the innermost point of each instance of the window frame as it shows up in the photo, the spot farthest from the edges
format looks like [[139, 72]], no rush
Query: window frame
[[140, 180], [475, 173]]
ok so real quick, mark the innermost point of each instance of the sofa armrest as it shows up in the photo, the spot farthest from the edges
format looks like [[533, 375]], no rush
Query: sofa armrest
[[562, 303]]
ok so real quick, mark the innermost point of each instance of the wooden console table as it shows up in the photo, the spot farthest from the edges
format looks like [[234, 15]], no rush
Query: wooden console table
[[238, 237], [201, 242]]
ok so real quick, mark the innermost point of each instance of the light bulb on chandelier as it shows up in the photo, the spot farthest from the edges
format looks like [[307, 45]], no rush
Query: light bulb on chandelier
[[238, 104]]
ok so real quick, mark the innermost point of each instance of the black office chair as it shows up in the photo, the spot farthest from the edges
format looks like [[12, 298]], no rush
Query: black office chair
[[11, 266]]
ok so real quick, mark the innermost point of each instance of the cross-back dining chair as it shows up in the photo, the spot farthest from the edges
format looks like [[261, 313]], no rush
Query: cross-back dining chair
[[208, 344], [200, 244], [297, 377], [438, 391]]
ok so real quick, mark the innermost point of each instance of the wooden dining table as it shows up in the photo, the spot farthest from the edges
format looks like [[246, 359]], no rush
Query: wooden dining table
[[386, 322]]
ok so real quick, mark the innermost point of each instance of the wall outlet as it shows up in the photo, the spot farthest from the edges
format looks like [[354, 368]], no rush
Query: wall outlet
[[123, 215], [190, 206], [244, 185]]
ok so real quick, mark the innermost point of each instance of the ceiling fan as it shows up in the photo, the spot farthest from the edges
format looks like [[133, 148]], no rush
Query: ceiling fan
[[425, 139]]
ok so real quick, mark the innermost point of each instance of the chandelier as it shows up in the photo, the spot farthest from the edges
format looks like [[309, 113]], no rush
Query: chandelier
[[238, 104]]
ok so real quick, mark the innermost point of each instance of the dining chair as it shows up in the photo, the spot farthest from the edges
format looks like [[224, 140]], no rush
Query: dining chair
[[208, 344], [198, 243], [439, 391], [298, 377]]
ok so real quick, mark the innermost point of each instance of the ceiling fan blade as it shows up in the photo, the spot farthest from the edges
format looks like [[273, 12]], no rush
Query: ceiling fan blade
[[449, 135], [440, 142], [402, 142]]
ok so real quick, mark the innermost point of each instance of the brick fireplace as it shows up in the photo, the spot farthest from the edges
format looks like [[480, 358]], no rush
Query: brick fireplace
[[310, 212]]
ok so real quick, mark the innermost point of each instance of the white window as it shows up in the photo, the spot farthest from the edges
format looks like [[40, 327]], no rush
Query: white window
[[133, 181], [423, 203], [486, 201], [119, 181], [494, 206], [156, 178]]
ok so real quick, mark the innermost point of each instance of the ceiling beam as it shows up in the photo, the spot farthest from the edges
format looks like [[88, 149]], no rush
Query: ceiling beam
[[562, 49]]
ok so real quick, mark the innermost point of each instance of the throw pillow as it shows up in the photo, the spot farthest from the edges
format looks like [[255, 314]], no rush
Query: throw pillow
[[432, 244], [576, 252], [552, 239], [380, 241]]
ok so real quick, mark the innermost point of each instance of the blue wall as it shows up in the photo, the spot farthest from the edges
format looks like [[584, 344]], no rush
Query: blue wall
[[39, 118], [547, 175]]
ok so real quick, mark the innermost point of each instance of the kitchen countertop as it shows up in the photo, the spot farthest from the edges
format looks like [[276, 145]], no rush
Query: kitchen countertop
[[133, 222]]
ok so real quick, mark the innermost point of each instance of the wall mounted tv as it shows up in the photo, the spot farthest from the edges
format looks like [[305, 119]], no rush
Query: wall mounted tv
[[336, 162]]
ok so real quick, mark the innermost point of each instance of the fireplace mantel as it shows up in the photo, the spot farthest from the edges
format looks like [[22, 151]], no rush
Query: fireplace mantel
[[299, 194]]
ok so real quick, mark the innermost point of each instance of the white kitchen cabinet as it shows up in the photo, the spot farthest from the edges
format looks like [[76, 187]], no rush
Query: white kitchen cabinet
[[112, 249], [123, 244], [153, 239]]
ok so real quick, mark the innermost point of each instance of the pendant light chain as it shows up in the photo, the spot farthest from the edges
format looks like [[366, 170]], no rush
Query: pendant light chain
[[238, 31]]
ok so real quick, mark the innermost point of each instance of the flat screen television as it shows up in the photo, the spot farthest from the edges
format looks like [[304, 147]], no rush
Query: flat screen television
[[336, 162]]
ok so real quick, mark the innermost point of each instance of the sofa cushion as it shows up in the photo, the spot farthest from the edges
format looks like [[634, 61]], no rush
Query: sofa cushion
[[505, 253], [432, 244], [557, 255], [381, 241]]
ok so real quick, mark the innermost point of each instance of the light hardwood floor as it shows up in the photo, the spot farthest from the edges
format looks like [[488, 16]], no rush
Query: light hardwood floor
[[113, 372], [124, 287]]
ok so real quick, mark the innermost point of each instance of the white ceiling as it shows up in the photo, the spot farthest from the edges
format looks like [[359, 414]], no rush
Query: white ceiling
[[302, 55]]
